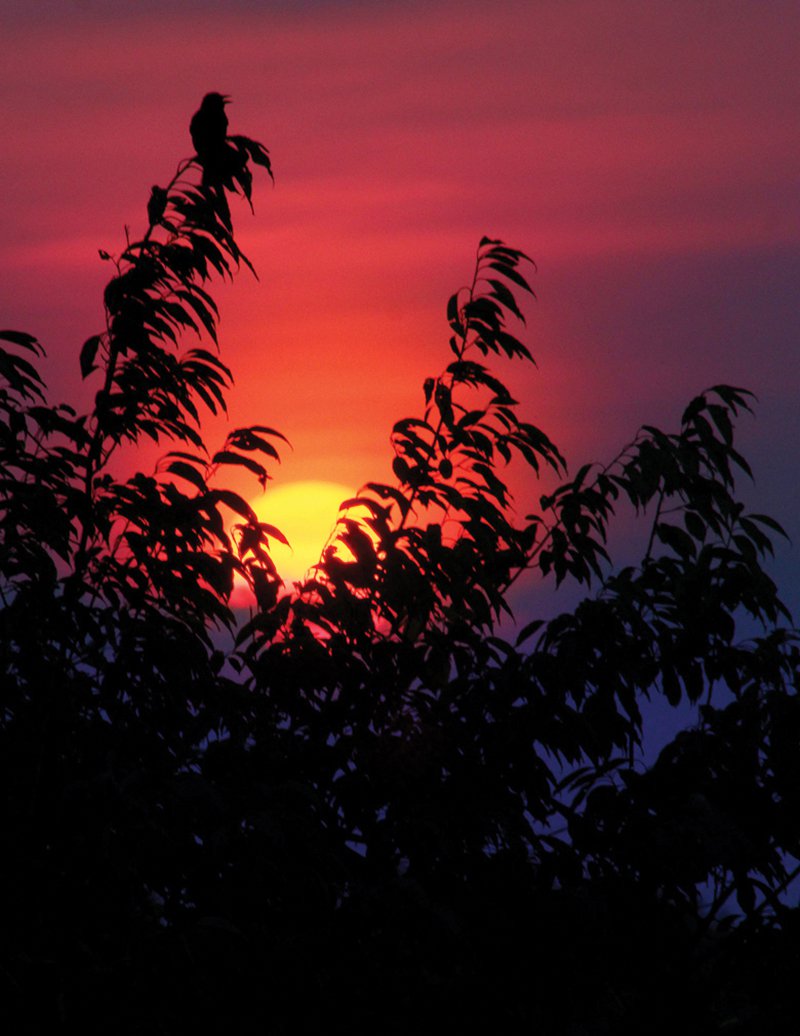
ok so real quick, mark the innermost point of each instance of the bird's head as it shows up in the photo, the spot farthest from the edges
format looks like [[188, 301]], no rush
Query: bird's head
[[215, 101]]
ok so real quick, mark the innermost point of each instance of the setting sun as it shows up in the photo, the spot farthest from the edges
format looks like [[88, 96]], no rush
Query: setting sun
[[306, 513]]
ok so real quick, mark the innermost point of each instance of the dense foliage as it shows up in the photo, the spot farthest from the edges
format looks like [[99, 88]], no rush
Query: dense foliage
[[362, 808]]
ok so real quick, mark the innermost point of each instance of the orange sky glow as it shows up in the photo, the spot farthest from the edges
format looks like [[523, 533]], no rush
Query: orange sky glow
[[646, 155]]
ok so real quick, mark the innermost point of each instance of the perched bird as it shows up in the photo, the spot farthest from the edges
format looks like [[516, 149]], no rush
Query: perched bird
[[157, 204], [209, 129]]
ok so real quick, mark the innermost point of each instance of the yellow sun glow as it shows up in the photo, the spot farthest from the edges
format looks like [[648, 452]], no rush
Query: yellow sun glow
[[306, 513]]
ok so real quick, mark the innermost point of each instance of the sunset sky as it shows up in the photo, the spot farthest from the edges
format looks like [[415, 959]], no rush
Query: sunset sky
[[644, 153]]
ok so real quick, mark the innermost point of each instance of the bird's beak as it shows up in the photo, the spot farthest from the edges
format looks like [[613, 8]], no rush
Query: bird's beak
[[226, 99]]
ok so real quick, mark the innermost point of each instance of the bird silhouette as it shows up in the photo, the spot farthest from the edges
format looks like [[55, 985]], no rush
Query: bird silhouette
[[209, 130], [157, 204]]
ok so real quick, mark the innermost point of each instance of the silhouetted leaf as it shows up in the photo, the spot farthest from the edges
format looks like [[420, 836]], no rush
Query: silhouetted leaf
[[274, 533], [229, 457], [676, 538], [21, 338], [88, 354], [186, 471]]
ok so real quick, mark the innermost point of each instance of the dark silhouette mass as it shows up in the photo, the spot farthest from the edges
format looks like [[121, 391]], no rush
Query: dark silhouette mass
[[209, 125], [156, 205], [209, 130], [366, 806]]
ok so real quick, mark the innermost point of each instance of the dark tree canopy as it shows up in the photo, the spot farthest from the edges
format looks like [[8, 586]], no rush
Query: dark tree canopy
[[362, 807]]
